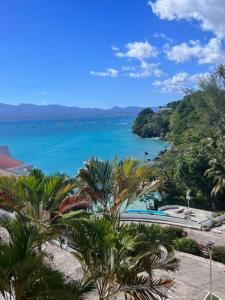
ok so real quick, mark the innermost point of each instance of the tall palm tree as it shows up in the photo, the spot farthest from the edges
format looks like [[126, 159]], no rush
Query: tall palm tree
[[112, 184], [25, 269], [110, 259]]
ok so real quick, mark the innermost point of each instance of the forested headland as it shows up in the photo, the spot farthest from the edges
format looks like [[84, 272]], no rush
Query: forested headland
[[195, 129]]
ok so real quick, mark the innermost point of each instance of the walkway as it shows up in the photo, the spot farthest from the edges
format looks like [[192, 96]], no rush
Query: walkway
[[192, 278], [202, 236]]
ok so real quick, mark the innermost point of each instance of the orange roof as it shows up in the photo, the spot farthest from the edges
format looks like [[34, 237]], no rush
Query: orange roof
[[7, 162]]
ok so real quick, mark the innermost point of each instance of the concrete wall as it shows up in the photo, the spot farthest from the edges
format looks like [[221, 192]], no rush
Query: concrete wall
[[165, 207], [209, 223]]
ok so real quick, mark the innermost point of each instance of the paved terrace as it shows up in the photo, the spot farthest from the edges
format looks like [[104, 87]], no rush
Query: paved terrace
[[193, 277], [197, 215], [192, 280], [170, 220]]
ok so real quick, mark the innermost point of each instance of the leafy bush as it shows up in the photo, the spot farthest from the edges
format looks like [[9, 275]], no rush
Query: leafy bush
[[171, 237], [174, 233], [219, 254], [219, 213], [153, 234], [188, 245], [191, 246]]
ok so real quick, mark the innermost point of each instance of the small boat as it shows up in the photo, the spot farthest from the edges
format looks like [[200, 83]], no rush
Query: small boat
[[146, 153]]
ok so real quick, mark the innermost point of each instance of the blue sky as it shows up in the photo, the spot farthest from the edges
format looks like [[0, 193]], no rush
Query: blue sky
[[102, 53]]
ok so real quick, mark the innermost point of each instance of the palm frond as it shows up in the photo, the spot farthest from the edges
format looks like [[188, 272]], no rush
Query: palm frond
[[145, 288]]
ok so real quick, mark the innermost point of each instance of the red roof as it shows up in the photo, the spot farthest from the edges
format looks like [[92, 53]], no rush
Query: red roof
[[7, 162]]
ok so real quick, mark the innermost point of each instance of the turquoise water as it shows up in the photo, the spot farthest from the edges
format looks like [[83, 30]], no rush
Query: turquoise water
[[63, 145], [147, 211]]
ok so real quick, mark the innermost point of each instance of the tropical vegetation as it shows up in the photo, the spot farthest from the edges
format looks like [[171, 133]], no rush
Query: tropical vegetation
[[25, 268], [113, 185], [121, 262], [195, 161], [116, 259]]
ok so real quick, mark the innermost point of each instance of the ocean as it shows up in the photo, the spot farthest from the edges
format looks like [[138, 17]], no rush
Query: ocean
[[63, 145]]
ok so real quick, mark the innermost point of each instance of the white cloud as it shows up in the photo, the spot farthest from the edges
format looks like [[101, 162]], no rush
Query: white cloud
[[211, 53], [107, 73], [145, 70], [138, 55], [162, 36], [141, 52], [114, 48], [138, 50], [179, 81], [209, 13], [129, 68]]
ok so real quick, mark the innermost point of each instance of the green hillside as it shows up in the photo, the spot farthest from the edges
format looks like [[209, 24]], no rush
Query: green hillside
[[195, 128], [186, 120], [152, 124]]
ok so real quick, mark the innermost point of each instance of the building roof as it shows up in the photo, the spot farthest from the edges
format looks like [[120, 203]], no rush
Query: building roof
[[7, 162], [7, 173]]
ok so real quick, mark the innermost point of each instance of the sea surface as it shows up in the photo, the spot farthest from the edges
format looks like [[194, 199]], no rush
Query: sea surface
[[63, 145]]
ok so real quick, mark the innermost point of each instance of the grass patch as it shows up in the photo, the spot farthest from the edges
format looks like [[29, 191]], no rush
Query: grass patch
[[213, 297]]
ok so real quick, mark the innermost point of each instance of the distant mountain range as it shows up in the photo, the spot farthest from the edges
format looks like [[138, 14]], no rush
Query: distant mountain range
[[31, 111]]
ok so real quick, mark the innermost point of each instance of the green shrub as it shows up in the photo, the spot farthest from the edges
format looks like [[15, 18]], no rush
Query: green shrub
[[219, 254], [218, 213], [188, 245], [154, 234], [174, 233]]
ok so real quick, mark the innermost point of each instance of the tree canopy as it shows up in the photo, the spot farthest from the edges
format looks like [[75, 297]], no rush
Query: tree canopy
[[195, 130]]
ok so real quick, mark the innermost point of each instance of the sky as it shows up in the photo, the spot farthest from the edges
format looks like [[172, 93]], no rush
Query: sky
[[104, 53]]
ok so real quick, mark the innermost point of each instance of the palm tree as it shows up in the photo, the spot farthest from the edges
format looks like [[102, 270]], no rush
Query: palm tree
[[37, 197], [140, 282], [111, 184], [217, 173], [25, 269], [110, 259], [220, 71], [217, 167]]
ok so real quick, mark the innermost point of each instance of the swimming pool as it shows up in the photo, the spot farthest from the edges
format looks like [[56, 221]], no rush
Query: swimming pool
[[147, 211]]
